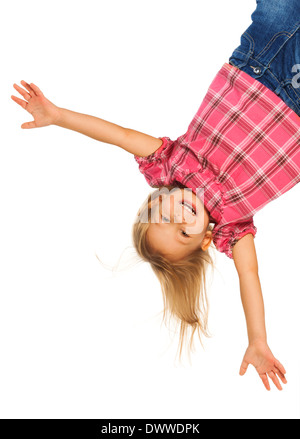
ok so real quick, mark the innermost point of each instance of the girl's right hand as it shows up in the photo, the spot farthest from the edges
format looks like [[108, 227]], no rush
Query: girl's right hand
[[43, 111]]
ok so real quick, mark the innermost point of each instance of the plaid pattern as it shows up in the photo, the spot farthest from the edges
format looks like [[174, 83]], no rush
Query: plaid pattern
[[241, 151]]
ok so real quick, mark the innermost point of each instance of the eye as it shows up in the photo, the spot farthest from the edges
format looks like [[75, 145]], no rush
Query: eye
[[185, 234], [165, 219]]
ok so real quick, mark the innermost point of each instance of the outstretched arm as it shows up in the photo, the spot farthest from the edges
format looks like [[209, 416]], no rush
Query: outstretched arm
[[258, 353], [46, 113], [132, 141]]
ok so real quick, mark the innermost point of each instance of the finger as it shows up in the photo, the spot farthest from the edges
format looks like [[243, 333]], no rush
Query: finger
[[29, 125], [22, 92], [281, 376], [275, 380], [280, 367], [36, 89], [27, 86], [243, 368], [19, 101], [265, 380]]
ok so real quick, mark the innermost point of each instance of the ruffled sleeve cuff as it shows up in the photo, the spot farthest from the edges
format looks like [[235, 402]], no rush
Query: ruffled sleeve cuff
[[154, 155], [229, 235]]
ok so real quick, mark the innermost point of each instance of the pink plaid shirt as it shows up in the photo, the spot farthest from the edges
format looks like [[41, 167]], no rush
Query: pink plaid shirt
[[242, 148]]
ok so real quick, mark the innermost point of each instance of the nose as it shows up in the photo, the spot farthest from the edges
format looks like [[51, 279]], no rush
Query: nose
[[177, 212], [179, 216]]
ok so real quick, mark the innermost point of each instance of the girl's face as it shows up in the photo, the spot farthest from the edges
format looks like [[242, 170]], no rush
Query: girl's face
[[178, 225]]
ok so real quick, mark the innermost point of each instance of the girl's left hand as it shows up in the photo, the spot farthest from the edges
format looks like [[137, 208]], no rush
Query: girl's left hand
[[260, 356]]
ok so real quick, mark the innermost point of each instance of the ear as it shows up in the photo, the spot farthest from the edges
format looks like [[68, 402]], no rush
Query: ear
[[206, 240]]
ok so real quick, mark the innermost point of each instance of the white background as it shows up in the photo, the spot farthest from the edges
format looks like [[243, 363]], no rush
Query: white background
[[75, 340]]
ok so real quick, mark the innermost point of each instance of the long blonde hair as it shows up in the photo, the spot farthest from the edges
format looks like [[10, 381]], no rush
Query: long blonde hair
[[183, 283]]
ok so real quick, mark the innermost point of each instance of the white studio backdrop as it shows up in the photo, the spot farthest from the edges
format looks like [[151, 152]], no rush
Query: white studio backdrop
[[77, 341]]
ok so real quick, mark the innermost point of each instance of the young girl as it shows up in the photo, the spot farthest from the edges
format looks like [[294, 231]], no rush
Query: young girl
[[241, 151]]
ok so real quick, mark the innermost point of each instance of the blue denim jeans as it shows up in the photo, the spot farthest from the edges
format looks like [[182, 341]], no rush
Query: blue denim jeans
[[270, 49]]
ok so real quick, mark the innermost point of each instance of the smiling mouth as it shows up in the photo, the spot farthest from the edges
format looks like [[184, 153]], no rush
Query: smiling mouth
[[190, 206]]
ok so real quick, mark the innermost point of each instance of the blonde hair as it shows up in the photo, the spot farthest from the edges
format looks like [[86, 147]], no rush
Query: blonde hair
[[183, 283]]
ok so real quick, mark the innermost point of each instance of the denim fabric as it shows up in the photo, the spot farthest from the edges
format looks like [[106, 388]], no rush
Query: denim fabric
[[270, 49]]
